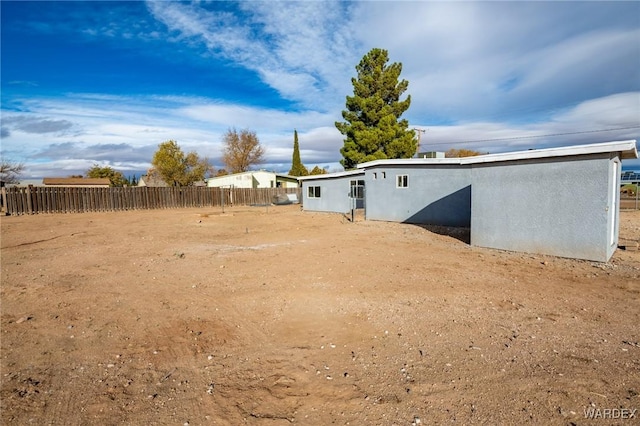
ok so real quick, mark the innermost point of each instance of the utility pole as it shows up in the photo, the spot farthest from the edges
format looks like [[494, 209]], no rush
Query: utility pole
[[420, 132]]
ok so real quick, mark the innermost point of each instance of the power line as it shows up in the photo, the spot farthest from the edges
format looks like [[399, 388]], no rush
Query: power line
[[536, 137]]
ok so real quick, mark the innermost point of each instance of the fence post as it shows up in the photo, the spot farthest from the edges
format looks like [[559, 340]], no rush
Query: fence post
[[29, 201], [3, 195]]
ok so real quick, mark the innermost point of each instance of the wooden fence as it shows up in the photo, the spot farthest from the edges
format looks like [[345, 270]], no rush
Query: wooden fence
[[41, 199]]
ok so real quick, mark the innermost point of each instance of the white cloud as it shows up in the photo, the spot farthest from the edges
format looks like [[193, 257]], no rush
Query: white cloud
[[122, 130], [493, 61], [302, 50]]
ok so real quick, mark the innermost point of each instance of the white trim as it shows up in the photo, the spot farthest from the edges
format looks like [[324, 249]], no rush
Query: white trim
[[613, 207], [312, 188], [409, 162], [627, 150], [333, 175]]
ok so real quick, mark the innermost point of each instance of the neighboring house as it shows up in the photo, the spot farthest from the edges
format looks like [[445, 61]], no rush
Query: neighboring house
[[514, 201], [77, 182], [152, 180], [254, 179]]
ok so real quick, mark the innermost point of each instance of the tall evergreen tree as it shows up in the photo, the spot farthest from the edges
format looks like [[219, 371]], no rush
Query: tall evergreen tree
[[297, 168], [372, 125]]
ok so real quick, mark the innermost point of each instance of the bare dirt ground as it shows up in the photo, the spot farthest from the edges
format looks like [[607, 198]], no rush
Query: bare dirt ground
[[277, 316]]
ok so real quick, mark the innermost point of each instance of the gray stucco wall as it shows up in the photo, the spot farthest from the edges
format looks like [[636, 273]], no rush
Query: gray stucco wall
[[334, 194], [562, 207], [435, 195]]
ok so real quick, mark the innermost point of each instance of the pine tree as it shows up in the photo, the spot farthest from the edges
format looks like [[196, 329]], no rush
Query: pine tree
[[372, 126], [318, 171], [297, 168]]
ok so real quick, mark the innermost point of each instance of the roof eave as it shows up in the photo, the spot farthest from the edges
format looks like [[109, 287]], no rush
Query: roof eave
[[332, 175], [627, 150]]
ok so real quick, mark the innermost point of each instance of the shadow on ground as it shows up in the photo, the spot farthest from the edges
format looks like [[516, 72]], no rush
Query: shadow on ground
[[459, 233]]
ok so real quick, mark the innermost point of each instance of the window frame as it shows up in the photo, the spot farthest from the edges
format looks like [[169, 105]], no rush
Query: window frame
[[314, 191], [359, 184], [402, 181]]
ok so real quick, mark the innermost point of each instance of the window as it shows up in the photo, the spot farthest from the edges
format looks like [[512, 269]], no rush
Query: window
[[314, 192], [384, 175], [375, 176], [402, 182], [357, 189]]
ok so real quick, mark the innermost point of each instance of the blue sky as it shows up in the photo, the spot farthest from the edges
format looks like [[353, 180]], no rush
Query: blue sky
[[87, 83]]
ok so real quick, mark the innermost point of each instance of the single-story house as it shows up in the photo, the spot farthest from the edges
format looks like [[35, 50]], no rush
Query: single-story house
[[521, 201], [254, 179], [333, 192], [77, 182], [433, 191]]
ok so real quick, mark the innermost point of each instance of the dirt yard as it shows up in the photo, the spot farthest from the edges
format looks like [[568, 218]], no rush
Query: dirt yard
[[274, 316]]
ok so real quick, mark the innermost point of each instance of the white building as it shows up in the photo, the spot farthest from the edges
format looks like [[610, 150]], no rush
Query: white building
[[254, 179]]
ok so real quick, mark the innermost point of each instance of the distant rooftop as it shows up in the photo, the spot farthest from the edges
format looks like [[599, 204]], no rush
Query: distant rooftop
[[76, 181]]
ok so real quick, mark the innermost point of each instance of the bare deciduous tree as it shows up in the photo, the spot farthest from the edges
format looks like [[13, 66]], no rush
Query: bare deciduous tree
[[242, 150], [10, 171]]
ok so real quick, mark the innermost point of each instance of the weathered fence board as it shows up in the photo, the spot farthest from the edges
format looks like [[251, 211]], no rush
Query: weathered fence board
[[42, 199]]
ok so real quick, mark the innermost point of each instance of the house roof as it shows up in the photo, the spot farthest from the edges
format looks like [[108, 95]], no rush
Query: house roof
[[627, 150], [284, 176], [152, 179], [76, 181], [410, 162], [333, 175]]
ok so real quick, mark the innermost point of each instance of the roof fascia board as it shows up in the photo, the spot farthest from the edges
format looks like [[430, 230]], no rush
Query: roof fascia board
[[333, 175], [409, 162], [626, 148]]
